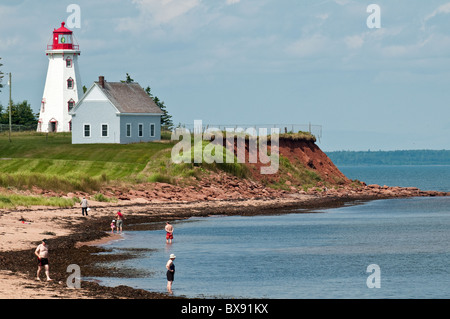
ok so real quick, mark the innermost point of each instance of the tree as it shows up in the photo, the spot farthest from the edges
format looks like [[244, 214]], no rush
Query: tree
[[166, 118], [21, 114], [128, 79]]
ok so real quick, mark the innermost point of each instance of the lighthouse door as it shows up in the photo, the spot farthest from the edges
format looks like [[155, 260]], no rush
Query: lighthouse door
[[52, 127]]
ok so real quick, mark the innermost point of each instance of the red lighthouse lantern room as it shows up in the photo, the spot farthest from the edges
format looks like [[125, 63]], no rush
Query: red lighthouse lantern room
[[62, 39]]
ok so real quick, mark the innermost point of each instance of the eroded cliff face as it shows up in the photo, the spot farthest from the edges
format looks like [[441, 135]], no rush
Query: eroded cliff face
[[301, 162], [313, 158]]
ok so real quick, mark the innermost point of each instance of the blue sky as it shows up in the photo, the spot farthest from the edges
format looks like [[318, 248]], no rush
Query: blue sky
[[258, 62]]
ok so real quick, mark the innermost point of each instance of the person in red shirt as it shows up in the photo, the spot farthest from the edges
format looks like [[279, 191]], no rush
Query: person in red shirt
[[119, 221]]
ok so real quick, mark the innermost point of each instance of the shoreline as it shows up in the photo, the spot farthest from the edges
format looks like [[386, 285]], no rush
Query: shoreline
[[75, 239]]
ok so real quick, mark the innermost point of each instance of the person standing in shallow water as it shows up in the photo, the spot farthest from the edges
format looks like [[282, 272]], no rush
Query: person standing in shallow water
[[169, 233], [170, 266], [119, 221]]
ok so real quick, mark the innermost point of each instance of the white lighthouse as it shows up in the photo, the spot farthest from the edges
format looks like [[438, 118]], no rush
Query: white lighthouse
[[63, 84]]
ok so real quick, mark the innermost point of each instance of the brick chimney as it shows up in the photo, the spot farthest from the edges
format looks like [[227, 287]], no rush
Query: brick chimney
[[101, 81]]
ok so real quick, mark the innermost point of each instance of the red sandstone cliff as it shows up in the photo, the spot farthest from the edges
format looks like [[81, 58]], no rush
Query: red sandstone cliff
[[304, 156], [312, 157], [299, 160]]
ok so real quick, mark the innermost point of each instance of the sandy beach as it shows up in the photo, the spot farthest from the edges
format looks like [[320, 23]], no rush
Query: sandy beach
[[73, 238]]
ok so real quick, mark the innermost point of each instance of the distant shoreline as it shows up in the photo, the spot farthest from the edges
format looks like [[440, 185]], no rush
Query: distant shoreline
[[399, 157]]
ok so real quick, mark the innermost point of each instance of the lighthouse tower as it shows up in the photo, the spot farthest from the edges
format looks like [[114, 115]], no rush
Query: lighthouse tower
[[63, 84]]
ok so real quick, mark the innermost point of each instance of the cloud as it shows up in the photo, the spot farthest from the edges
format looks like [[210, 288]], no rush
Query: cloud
[[157, 13], [354, 41], [12, 3], [229, 2], [308, 46], [342, 2], [6, 43], [322, 16], [445, 8]]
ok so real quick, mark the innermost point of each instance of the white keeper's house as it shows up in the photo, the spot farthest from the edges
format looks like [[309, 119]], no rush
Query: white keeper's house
[[115, 112]]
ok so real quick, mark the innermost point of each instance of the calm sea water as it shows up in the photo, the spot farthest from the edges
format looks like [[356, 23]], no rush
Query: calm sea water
[[425, 177], [320, 254]]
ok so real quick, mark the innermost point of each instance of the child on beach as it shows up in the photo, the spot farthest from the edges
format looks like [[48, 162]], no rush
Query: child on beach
[[113, 225]]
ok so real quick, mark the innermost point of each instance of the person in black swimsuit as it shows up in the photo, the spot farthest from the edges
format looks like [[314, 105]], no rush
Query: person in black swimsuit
[[170, 272]]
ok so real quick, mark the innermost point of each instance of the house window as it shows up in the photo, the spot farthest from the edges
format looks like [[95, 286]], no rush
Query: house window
[[70, 83], [69, 62], [152, 130], [87, 130], [128, 130], [70, 104], [141, 130], [104, 130]]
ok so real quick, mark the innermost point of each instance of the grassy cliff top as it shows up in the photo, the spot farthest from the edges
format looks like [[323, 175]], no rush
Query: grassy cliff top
[[38, 161], [52, 162]]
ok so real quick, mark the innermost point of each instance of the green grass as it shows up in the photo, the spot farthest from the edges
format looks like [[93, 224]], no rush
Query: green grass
[[52, 162], [300, 135], [58, 147], [162, 169], [14, 200], [297, 174]]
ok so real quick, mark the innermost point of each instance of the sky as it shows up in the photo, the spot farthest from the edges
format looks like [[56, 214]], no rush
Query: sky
[[375, 79]]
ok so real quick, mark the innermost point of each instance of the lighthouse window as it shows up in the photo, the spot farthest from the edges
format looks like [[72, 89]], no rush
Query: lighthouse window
[[70, 105], [64, 38], [69, 62], [70, 83]]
